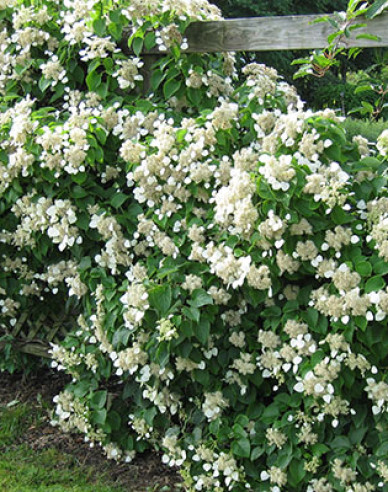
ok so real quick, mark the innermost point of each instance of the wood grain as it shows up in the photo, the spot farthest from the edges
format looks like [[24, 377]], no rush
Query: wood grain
[[275, 34]]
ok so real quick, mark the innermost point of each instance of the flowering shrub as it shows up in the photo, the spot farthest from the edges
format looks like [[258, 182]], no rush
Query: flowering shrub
[[224, 249]]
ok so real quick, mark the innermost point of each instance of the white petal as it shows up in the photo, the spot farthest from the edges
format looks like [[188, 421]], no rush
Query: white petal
[[299, 388]]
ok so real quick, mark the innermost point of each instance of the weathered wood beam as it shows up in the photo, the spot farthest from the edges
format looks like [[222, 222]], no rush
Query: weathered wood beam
[[295, 32], [277, 33], [37, 347]]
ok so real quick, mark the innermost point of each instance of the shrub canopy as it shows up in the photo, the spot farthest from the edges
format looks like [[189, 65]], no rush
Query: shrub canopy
[[223, 249]]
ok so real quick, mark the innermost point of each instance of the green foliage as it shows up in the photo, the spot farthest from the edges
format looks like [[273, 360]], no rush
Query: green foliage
[[281, 60], [241, 8], [224, 250], [344, 97], [346, 24], [13, 359]]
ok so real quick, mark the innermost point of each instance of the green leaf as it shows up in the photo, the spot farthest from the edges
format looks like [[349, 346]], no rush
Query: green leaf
[[115, 16], [79, 178], [270, 413], [121, 337], [171, 87], [81, 388], [311, 317], [99, 27], [201, 377], [382, 450], [93, 81], [374, 284], [363, 88], [341, 443], [150, 40], [290, 306], [381, 267], [59, 91], [191, 313], [180, 135], [85, 263], [339, 216], [137, 46], [356, 435], [162, 354], [99, 399], [102, 90], [367, 106], [113, 420], [239, 431], [133, 211], [202, 331], [296, 472], [200, 298], [242, 420], [115, 30], [149, 415], [160, 299], [254, 296], [285, 455], [361, 322], [364, 268], [242, 447], [79, 192], [156, 79], [370, 163], [44, 84], [194, 96], [319, 449], [78, 74], [257, 452], [118, 200], [94, 64], [376, 8], [99, 416], [101, 135], [333, 36]]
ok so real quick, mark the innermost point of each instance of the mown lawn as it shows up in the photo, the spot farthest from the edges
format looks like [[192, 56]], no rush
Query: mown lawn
[[23, 469]]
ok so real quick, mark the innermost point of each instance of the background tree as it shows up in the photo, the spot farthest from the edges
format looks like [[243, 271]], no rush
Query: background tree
[[317, 92]]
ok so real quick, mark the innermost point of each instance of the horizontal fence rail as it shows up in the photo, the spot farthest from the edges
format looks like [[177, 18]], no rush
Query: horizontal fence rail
[[277, 33], [294, 32]]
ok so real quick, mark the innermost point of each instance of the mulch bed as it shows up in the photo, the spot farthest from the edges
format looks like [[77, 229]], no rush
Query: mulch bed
[[144, 471]]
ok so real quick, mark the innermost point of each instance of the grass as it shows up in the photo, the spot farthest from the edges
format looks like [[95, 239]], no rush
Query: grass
[[23, 469], [368, 129], [36, 457]]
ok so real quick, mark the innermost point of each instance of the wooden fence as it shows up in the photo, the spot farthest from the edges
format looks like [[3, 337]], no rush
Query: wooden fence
[[294, 32], [253, 34], [33, 336]]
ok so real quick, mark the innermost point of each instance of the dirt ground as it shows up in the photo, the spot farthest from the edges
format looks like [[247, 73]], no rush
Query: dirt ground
[[145, 473]]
